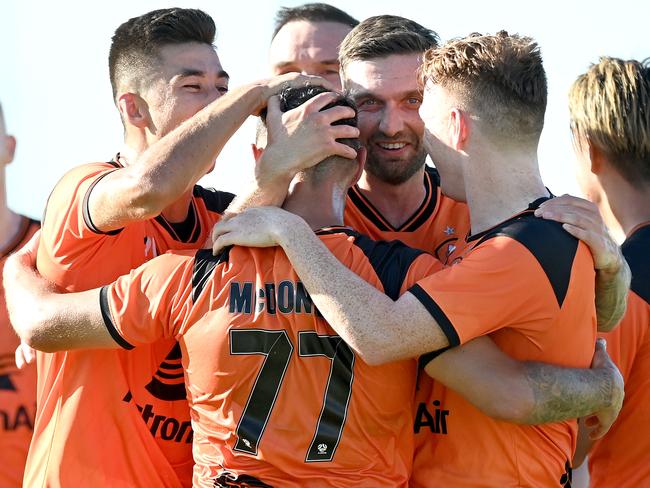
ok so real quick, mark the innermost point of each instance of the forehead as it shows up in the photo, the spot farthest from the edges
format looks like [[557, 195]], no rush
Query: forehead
[[383, 76], [309, 41], [175, 58]]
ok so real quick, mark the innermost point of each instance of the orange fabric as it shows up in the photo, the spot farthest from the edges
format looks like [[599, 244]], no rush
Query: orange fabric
[[91, 404], [17, 387], [439, 226], [621, 458], [500, 288], [254, 292]]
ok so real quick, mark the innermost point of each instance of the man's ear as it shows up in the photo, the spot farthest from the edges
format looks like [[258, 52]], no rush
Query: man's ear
[[134, 110], [257, 152], [361, 163], [597, 158], [8, 151], [459, 128]]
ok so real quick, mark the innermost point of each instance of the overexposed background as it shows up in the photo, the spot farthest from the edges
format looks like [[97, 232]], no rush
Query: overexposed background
[[57, 100]]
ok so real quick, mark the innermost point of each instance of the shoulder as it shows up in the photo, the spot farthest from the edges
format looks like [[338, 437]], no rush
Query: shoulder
[[214, 200], [546, 241], [636, 250]]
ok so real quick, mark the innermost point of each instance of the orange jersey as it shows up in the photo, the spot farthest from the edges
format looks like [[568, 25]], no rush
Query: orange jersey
[[530, 286], [17, 387], [111, 418], [621, 458], [439, 226], [278, 399]]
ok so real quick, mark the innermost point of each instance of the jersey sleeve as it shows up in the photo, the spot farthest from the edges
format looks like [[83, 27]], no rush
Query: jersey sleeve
[[425, 265], [499, 284], [68, 232], [150, 303]]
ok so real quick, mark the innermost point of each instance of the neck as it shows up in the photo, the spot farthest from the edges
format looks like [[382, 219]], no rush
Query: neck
[[320, 205], [134, 146], [622, 205], [500, 184], [397, 203], [9, 221]]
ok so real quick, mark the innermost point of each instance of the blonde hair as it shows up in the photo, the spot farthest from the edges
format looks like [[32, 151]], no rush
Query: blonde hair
[[498, 77], [610, 107]]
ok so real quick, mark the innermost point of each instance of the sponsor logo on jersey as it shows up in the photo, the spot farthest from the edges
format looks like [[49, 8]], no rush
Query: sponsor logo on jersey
[[168, 382], [167, 428], [435, 419]]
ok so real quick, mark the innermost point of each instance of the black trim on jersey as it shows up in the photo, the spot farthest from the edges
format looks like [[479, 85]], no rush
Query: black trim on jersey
[[86, 211], [431, 185], [337, 229], [636, 250], [430, 356], [391, 261], [187, 231], [370, 212], [215, 200], [108, 320], [204, 264], [232, 480], [436, 312], [553, 247]]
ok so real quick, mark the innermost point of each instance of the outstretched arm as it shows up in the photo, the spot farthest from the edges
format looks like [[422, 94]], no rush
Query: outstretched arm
[[531, 392], [582, 220], [379, 329], [171, 166], [47, 320]]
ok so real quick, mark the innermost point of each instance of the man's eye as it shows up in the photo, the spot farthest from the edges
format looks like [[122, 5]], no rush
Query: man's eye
[[192, 87], [222, 89], [414, 101], [367, 103]]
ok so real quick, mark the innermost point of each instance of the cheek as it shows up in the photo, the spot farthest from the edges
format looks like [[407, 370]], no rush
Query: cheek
[[367, 123]]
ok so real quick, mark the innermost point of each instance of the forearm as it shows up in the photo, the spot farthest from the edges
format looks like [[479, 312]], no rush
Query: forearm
[[567, 393], [171, 166], [265, 190], [611, 295], [377, 328]]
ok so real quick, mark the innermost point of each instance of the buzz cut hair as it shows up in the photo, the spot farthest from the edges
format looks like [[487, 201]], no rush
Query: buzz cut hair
[[312, 12], [609, 106], [137, 42], [498, 78]]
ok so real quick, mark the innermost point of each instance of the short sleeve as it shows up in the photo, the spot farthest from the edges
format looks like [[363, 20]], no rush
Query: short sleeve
[[150, 303], [499, 284]]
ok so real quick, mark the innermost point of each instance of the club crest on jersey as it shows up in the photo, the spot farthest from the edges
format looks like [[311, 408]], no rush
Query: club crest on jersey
[[450, 230]]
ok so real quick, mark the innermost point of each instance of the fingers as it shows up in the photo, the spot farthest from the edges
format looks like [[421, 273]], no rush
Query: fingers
[[600, 354], [320, 101]]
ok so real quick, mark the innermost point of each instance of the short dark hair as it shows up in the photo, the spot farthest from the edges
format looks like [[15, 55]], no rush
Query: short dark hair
[[610, 107], [312, 12], [293, 97], [500, 77], [385, 35], [138, 40]]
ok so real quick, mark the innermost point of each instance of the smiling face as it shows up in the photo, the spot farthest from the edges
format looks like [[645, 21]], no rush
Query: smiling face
[[387, 95], [310, 48], [188, 77]]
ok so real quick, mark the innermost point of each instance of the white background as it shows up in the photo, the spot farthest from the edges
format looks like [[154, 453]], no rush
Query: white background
[[57, 100]]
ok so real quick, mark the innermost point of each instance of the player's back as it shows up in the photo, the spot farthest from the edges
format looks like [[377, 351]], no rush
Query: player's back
[[278, 398], [530, 286], [88, 429], [621, 457]]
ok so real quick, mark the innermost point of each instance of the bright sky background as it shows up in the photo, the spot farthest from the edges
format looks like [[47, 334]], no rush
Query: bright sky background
[[57, 99]]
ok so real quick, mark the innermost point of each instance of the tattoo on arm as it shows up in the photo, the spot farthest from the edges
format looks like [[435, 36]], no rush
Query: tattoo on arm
[[567, 393], [611, 296]]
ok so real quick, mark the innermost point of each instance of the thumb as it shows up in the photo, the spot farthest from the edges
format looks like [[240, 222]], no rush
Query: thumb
[[600, 354]]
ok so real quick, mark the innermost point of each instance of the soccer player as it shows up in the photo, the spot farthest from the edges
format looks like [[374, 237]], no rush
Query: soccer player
[[306, 40], [610, 119], [17, 387], [523, 280], [104, 219], [362, 435]]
